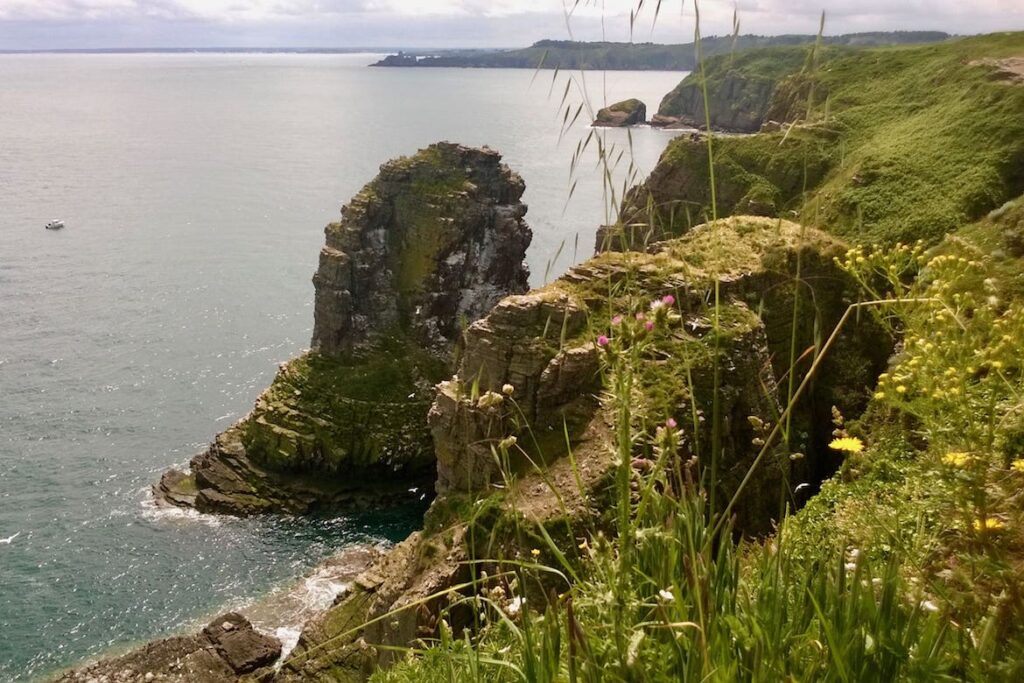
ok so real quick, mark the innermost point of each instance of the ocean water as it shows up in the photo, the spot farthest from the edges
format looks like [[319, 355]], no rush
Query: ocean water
[[195, 189]]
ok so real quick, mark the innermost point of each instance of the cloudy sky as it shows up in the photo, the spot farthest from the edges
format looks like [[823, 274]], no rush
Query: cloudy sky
[[44, 24]]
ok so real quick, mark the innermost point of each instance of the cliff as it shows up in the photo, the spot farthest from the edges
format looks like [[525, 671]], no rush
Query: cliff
[[629, 112], [425, 248], [879, 144], [524, 435]]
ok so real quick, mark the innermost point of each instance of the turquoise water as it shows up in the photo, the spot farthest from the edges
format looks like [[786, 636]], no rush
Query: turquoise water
[[195, 189]]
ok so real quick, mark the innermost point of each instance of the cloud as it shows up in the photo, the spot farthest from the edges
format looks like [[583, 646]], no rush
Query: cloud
[[28, 24]]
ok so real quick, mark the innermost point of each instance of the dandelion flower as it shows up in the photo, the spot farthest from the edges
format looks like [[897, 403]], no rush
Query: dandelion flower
[[956, 458], [849, 444], [1017, 465], [989, 524]]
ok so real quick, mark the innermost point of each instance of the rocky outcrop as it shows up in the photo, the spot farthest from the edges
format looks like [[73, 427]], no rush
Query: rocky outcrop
[[531, 370], [631, 112], [429, 246], [227, 650], [739, 90]]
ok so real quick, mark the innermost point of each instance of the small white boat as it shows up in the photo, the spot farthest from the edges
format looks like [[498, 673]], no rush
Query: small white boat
[[55, 225]]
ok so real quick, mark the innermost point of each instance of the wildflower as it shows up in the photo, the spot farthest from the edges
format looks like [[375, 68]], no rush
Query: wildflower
[[879, 395], [956, 459], [1017, 465], [489, 400], [641, 317], [535, 552], [850, 444], [671, 424], [989, 524], [901, 389], [928, 606], [666, 596], [649, 326], [617, 320], [514, 606], [507, 443], [602, 341], [668, 299], [997, 365], [508, 389]]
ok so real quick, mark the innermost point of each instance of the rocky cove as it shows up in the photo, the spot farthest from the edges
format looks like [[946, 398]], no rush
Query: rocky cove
[[433, 366]]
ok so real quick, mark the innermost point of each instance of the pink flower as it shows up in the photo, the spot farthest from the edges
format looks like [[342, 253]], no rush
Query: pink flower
[[649, 326], [668, 300], [670, 423], [640, 316], [602, 340], [617, 320]]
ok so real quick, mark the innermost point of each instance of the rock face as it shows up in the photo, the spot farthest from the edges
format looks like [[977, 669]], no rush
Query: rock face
[[227, 650], [530, 369], [631, 112], [429, 246]]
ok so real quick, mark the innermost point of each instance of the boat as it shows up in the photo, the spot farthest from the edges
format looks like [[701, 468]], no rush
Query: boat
[[55, 225]]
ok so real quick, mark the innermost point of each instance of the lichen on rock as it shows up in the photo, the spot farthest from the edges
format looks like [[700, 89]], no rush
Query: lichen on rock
[[427, 247]]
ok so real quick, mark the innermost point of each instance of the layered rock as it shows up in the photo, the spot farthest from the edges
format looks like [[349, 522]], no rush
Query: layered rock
[[631, 112], [429, 246], [531, 369], [227, 650]]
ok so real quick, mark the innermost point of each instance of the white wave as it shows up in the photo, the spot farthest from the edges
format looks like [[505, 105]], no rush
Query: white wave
[[289, 637], [154, 511]]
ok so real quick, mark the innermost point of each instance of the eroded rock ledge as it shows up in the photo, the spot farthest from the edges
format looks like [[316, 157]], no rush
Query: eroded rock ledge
[[530, 369], [430, 245]]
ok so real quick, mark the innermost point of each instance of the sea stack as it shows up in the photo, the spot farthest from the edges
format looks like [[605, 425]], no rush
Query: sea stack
[[631, 112], [426, 248]]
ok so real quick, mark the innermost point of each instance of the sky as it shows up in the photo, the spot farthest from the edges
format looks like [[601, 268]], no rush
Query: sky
[[54, 24]]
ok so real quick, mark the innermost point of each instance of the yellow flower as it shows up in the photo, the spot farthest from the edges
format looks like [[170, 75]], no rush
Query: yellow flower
[[535, 552], [957, 458], [989, 524], [850, 444], [879, 395], [1017, 465], [901, 389]]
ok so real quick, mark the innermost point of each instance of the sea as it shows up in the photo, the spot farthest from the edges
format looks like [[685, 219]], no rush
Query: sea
[[195, 189]]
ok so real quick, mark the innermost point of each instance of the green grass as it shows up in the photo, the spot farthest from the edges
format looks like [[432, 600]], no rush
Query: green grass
[[914, 142]]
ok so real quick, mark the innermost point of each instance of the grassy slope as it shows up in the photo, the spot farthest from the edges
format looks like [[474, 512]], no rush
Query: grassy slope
[[920, 140]]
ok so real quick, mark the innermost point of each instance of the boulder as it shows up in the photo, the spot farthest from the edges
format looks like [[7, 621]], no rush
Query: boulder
[[226, 651], [430, 245], [631, 112]]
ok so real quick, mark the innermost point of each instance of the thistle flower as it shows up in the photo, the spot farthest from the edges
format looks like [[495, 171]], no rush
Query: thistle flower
[[671, 424], [649, 326], [617, 320], [668, 299], [602, 341], [849, 444]]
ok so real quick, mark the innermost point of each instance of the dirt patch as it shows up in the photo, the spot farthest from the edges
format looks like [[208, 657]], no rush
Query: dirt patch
[[1010, 69]]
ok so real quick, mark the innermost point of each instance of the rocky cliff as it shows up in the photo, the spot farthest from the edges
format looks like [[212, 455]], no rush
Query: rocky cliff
[[528, 391], [424, 249]]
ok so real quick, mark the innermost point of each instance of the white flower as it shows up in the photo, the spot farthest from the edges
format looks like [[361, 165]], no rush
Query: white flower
[[666, 596], [514, 605], [928, 606], [508, 389]]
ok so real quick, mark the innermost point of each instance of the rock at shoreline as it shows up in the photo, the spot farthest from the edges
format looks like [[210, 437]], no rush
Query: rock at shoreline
[[631, 112], [225, 651], [427, 247]]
